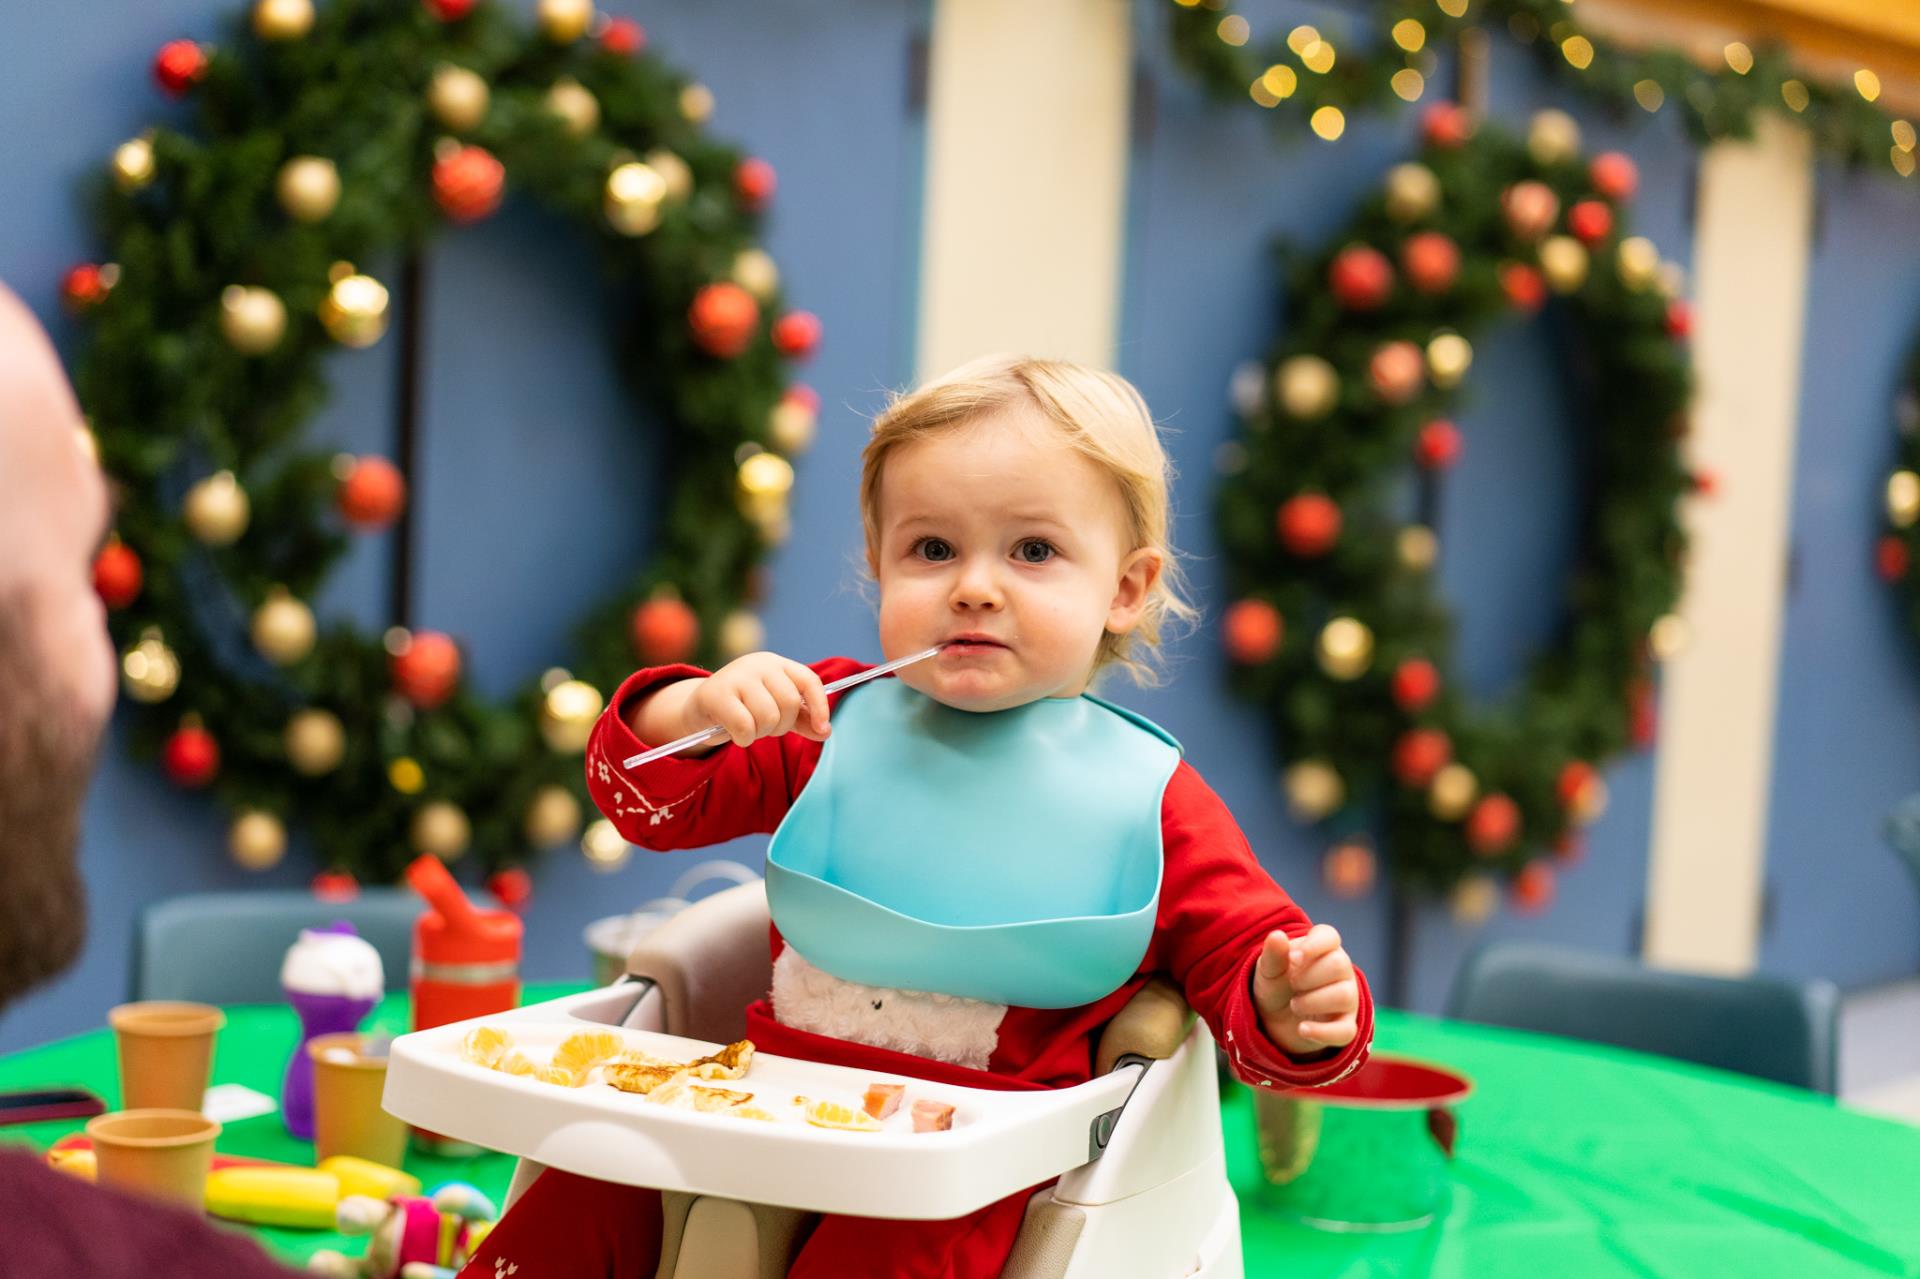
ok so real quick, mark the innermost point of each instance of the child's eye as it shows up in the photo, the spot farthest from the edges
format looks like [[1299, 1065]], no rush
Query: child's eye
[[935, 550], [1035, 550]]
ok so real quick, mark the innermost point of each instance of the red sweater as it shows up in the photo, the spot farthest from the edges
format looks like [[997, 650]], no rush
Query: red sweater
[[1216, 906]]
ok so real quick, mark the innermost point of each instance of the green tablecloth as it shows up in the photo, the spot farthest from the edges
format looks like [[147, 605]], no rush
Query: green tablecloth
[[1573, 1161]]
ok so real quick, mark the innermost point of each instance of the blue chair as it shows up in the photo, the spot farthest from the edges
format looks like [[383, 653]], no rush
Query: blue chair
[[225, 948], [1782, 1030]]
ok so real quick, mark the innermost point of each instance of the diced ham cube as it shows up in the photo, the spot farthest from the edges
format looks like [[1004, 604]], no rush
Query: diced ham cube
[[882, 1099], [932, 1116]]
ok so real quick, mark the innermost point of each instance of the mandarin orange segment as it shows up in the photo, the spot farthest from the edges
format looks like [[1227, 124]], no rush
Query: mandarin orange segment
[[831, 1114], [485, 1046], [581, 1052]]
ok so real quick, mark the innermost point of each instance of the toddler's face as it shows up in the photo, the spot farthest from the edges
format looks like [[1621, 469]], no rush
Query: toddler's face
[[1000, 536]]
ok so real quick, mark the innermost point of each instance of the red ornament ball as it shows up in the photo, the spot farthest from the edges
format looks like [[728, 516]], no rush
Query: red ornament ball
[[1397, 371], [1525, 287], [1890, 559], [1349, 869], [1415, 684], [427, 670], [373, 494], [178, 66], [665, 630], [1591, 221], [468, 183], [1438, 445], [1252, 631], [191, 757], [1703, 482], [723, 318], [1446, 125], [802, 394], [1309, 524], [1573, 782], [1360, 278], [1418, 756], [117, 575], [1533, 888], [1613, 175], [796, 334], [512, 887], [1679, 320], [1493, 825], [623, 36], [335, 886], [449, 10], [1530, 208], [1431, 261], [86, 286], [753, 182]]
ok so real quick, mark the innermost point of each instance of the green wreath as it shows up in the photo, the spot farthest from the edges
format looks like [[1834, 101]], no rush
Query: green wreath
[[1338, 630], [335, 136], [1894, 554]]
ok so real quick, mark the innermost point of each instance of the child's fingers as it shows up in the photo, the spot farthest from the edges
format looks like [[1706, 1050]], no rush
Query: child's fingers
[[1323, 971], [1272, 964], [1319, 940], [786, 697], [813, 693], [765, 710], [732, 714], [1337, 1000], [1335, 1033]]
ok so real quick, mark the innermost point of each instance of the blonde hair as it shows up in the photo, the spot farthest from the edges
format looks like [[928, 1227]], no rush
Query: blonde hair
[[1098, 413]]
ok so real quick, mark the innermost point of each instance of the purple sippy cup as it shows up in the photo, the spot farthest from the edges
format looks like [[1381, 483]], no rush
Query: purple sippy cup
[[332, 977]]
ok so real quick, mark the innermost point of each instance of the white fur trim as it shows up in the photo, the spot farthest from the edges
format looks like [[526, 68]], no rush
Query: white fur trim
[[944, 1027]]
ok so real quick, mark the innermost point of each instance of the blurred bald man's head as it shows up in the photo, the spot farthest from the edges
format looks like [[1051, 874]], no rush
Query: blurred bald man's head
[[56, 661]]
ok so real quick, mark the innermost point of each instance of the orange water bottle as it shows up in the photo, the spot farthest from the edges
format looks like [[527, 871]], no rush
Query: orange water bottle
[[466, 961]]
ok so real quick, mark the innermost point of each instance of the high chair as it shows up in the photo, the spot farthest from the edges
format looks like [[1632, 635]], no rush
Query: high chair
[[1142, 1189]]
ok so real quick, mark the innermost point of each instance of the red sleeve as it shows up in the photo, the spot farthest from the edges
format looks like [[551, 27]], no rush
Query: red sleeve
[[1216, 908], [690, 802]]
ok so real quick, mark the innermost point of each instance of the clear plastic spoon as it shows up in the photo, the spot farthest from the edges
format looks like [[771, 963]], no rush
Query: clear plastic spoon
[[717, 733]]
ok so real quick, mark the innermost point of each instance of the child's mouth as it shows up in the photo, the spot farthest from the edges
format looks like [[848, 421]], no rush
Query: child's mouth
[[973, 644]]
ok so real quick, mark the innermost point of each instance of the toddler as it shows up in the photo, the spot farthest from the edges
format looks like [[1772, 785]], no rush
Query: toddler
[[1016, 515]]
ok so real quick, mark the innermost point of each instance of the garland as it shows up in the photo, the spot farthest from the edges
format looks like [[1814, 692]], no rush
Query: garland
[[1338, 630], [349, 134], [1306, 79]]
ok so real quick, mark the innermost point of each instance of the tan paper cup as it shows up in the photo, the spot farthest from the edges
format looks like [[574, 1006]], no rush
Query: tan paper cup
[[347, 1118], [162, 1153], [166, 1052]]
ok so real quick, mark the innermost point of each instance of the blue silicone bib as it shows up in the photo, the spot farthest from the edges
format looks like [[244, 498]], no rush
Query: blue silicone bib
[[1012, 856]]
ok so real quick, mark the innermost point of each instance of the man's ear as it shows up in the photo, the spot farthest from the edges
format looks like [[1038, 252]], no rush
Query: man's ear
[[1138, 573]]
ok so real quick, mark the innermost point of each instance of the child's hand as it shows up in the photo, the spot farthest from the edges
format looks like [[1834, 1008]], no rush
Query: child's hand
[[1305, 991], [760, 695]]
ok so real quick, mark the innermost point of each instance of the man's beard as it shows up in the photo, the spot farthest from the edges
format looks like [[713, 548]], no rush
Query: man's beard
[[46, 758]]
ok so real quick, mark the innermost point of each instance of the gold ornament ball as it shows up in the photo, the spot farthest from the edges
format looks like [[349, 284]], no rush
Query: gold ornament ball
[[315, 742], [792, 426], [1474, 899], [1452, 793], [696, 103], [552, 818], [754, 271], [741, 633], [673, 171], [1449, 356], [283, 629], [603, 846], [149, 671], [282, 19], [632, 200], [1903, 498], [576, 106], [1564, 261], [1417, 547], [406, 776], [1314, 790], [1412, 192], [1345, 648], [567, 715], [1669, 637], [440, 829], [1639, 262], [564, 21], [252, 319], [308, 188], [217, 510], [764, 480], [354, 312], [458, 98], [1553, 137], [257, 840], [133, 164], [1307, 387], [1591, 803]]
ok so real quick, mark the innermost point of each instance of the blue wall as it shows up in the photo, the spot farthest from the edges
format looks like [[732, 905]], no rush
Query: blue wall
[[523, 412]]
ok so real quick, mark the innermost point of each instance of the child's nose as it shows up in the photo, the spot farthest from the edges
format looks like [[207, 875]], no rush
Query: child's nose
[[978, 586]]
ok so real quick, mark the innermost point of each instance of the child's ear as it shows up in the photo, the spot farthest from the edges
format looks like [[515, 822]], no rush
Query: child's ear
[[1138, 573]]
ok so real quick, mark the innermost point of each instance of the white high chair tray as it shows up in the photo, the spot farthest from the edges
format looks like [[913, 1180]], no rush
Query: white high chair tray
[[1000, 1142]]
